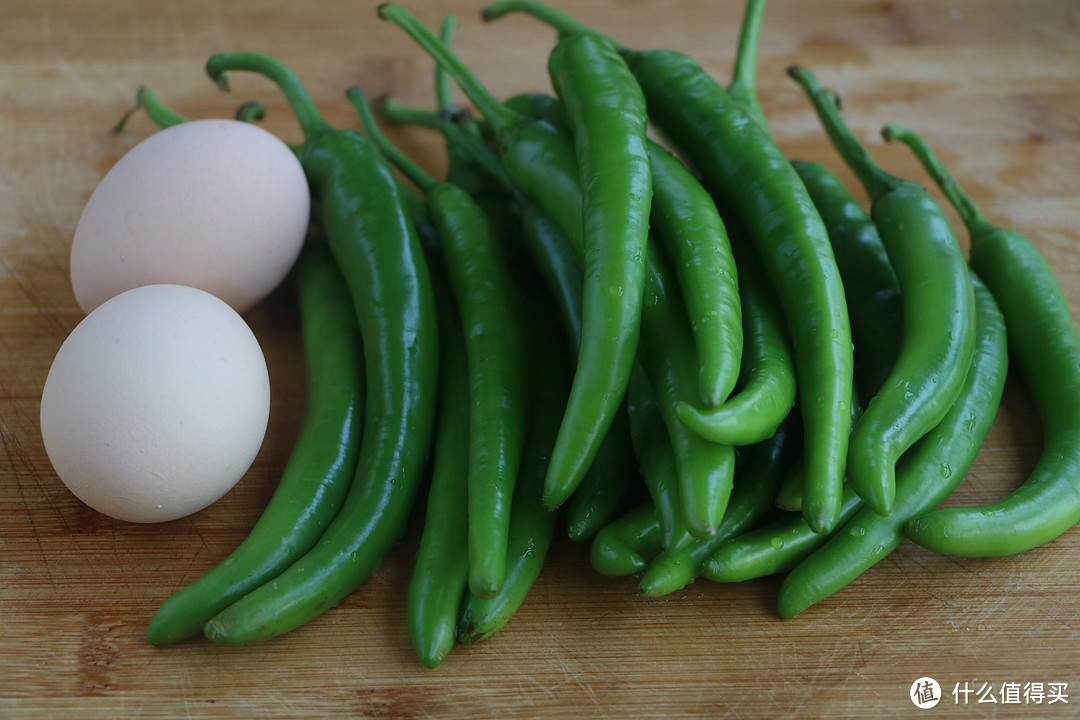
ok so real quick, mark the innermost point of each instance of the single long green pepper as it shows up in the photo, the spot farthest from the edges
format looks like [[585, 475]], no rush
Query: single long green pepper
[[607, 119], [685, 221], [1045, 348], [532, 527], [440, 573], [377, 248]]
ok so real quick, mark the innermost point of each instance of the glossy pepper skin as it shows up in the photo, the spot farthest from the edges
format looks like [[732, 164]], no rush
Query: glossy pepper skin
[[441, 570], [925, 475], [938, 312], [606, 115], [1045, 349], [873, 297], [751, 504], [625, 545], [532, 527], [612, 292], [376, 246], [668, 358], [772, 548], [870, 285], [739, 162], [685, 221], [656, 458], [321, 464], [767, 387]]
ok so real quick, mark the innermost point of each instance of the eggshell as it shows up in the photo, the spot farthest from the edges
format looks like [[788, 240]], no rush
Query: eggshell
[[156, 404], [220, 205]]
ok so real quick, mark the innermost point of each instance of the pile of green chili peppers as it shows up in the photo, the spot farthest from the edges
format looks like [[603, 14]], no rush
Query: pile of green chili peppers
[[698, 357]]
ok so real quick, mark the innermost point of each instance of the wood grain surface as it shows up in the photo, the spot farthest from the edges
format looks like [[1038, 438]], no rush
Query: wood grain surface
[[993, 84]]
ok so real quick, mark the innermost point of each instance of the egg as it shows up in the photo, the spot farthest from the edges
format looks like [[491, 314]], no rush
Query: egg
[[219, 205], [156, 404]]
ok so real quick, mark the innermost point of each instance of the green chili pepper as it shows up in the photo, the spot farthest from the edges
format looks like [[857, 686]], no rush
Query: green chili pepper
[[751, 503], [1043, 343], [685, 221], [873, 293], [498, 356], [377, 249], [773, 548], [625, 545], [767, 388], [938, 312], [531, 526], [656, 459], [607, 118], [728, 146], [441, 570], [667, 354], [320, 466], [614, 226], [926, 474]]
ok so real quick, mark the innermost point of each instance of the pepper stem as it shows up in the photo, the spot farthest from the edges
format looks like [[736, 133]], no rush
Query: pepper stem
[[743, 88], [969, 212], [546, 14], [469, 142], [876, 181], [501, 118], [391, 152], [444, 96], [159, 113], [311, 122], [392, 111], [251, 112]]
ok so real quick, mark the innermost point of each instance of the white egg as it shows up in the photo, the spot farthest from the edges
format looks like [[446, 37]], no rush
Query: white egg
[[156, 404], [220, 205]]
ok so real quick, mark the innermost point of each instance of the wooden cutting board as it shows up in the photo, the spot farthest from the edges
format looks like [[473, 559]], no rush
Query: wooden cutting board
[[994, 85]]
